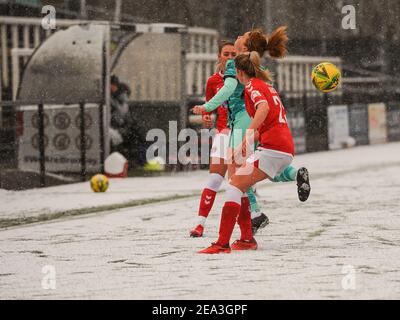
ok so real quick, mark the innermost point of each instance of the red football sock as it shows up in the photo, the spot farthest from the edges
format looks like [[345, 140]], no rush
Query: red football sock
[[244, 220], [229, 215], [206, 202]]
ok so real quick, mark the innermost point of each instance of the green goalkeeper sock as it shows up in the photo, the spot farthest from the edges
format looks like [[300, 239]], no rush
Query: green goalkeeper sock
[[289, 174], [254, 206]]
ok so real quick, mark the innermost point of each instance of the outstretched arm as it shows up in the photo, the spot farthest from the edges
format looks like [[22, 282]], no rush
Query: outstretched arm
[[222, 95]]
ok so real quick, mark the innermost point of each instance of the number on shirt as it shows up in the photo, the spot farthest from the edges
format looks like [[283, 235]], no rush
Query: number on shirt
[[278, 103]]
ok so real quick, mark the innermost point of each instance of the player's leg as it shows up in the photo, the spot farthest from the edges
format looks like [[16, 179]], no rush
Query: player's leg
[[248, 200], [303, 184], [260, 166], [302, 178], [244, 217], [246, 241], [259, 219], [208, 195], [218, 168], [233, 209], [287, 175]]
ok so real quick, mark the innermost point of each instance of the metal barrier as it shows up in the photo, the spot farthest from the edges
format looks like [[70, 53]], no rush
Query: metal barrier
[[20, 35], [293, 74], [200, 59], [16, 55], [11, 29]]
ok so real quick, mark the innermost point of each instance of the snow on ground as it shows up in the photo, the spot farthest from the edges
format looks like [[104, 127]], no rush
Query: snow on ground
[[351, 222], [35, 202], [76, 196]]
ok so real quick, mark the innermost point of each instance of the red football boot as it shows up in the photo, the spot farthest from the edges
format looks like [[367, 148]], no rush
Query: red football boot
[[197, 232], [216, 249], [242, 245]]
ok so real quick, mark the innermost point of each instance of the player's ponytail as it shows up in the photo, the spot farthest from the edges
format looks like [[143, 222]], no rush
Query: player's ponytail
[[277, 42], [257, 41], [250, 63]]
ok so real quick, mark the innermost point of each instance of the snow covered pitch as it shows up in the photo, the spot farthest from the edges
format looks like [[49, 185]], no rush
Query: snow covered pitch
[[344, 243]]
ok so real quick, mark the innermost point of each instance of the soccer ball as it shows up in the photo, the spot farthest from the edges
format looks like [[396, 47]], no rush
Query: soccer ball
[[99, 183], [326, 77]]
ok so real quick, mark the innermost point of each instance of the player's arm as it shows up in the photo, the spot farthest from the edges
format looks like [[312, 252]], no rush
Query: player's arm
[[222, 95], [259, 118], [230, 84], [260, 101], [210, 92], [252, 134]]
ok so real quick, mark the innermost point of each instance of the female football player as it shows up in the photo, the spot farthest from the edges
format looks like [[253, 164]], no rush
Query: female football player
[[219, 150], [239, 119], [278, 165]]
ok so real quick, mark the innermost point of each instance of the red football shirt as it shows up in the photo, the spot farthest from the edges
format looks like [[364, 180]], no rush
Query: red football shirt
[[274, 131], [214, 84]]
